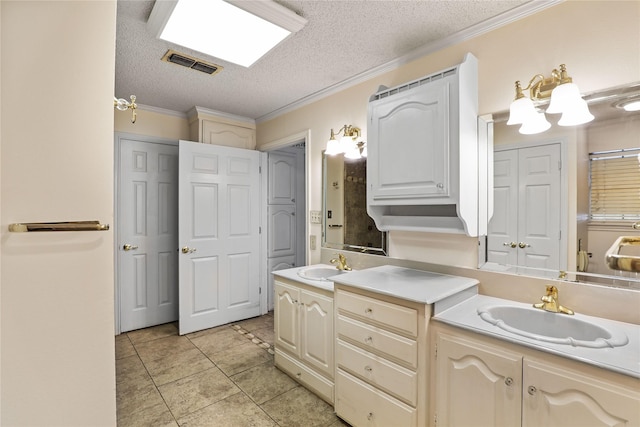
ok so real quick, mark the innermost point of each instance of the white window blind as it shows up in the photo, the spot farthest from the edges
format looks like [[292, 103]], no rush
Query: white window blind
[[615, 185]]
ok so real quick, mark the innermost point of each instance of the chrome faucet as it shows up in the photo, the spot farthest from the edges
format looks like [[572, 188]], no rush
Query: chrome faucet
[[342, 263], [550, 302]]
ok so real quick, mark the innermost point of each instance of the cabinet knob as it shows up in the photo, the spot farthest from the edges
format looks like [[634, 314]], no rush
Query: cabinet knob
[[368, 340], [440, 186], [508, 381], [368, 311], [532, 390], [299, 374], [368, 368], [370, 416]]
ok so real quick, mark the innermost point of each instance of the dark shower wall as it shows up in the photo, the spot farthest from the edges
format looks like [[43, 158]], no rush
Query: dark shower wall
[[359, 228]]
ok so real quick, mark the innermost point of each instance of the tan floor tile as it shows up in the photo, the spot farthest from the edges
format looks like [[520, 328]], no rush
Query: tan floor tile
[[254, 323], [130, 400], [240, 358], [264, 382], [153, 333], [124, 348], [174, 367], [219, 340], [163, 347], [207, 331], [154, 416], [234, 411], [264, 334], [192, 393], [300, 407]]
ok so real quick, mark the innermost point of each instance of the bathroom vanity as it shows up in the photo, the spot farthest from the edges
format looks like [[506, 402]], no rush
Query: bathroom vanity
[[396, 346]]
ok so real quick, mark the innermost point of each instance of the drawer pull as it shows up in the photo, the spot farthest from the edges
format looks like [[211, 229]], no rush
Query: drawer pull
[[368, 311], [368, 368], [368, 340], [370, 416]]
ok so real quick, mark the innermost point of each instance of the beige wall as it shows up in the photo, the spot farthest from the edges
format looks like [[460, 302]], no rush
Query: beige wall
[[57, 307], [151, 123], [597, 40]]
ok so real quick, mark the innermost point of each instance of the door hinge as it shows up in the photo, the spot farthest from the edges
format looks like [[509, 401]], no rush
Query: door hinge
[[259, 169], [436, 352], [260, 291], [559, 165], [259, 230]]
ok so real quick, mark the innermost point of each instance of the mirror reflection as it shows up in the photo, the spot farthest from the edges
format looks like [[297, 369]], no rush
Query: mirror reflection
[[346, 224], [563, 197]]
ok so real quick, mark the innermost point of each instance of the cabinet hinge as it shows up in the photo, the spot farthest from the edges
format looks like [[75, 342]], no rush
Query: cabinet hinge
[[435, 419], [436, 352]]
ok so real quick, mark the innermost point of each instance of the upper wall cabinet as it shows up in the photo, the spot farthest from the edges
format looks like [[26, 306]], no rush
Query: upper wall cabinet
[[211, 128], [425, 158]]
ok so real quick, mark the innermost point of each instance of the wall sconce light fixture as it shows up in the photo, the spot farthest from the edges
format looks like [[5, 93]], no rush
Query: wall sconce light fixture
[[123, 105], [565, 99], [350, 144]]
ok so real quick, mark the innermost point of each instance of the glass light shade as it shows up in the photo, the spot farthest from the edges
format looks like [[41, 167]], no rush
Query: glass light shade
[[122, 104], [535, 123], [333, 147], [353, 154], [577, 114], [520, 110], [563, 98], [347, 144], [632, 106], [364, 151]]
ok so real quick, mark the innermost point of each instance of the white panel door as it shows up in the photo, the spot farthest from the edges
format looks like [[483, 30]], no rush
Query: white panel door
[[219, 220], [282, 230], [282, 179], [503, 227], [539, 207], [148, 234], [525, 228]]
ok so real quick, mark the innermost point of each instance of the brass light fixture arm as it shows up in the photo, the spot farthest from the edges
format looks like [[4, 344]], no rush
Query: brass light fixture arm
[[124, 105]]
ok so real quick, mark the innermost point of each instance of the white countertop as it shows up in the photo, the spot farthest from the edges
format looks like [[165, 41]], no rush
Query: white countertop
[[624, 359], [292, 274], [405, 283]]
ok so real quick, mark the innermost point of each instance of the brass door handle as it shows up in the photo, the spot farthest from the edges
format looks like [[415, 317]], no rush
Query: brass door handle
[[523, 245], [510, 244], [188, 250], [128, 247]]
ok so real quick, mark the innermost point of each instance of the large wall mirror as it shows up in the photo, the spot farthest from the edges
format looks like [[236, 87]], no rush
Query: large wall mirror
[[549, 216], [346, 224]]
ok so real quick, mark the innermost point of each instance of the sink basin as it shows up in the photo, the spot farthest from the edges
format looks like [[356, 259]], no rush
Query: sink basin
[[319, 272], [554, 328]]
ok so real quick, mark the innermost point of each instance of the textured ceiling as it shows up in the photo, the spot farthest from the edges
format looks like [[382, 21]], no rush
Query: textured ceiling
[[342, 39]]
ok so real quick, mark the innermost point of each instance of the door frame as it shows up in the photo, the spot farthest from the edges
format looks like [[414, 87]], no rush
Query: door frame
[[118, 137], [284, 142], [564, 187]]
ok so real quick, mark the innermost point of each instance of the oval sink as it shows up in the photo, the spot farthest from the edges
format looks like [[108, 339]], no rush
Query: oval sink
[[550, 327], [319, 272]]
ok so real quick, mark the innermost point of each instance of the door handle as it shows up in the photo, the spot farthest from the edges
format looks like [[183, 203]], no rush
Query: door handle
[[523, 245], [188, 250], [128, 247], [510, 244]]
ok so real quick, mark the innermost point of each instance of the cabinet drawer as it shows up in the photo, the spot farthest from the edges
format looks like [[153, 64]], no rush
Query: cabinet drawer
[[301, 373], [379, 341], [394, 379], [360, 404], [403, 319]]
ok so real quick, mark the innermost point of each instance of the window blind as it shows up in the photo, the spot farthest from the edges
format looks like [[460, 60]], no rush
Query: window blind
[[614, 185]]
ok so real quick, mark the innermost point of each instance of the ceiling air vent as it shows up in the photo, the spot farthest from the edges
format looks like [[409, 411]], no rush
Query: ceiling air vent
[[191, 62]]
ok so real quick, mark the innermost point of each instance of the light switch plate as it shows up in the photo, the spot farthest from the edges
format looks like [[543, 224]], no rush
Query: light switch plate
[[312, 242], [316, 217]]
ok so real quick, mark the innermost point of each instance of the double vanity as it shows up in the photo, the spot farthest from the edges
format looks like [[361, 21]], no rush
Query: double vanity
[[392, 346]]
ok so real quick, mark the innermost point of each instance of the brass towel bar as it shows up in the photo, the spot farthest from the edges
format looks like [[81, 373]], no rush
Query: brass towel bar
[[58, 226], [615, 261]]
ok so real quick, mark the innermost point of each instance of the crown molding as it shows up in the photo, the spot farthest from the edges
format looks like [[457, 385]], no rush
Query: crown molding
[[486, 26]]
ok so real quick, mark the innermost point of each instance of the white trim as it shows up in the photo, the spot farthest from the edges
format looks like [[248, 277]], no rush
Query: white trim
[[486, 26], [143, 107], [198, 111]]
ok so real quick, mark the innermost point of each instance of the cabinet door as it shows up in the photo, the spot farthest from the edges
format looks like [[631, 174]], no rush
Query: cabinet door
[[316, 331], [555, 396], [477, 385], [227, 134], [409, 144], [286, 320]]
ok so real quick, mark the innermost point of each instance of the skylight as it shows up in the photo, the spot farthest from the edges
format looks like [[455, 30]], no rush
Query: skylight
[[236, 31]]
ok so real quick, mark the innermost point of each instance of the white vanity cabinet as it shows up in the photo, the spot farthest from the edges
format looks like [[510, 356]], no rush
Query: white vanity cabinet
[[482, 381], [303, 322], [381, 352]]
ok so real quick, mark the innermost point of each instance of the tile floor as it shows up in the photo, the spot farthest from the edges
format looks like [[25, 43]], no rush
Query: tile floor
[[222, 376]]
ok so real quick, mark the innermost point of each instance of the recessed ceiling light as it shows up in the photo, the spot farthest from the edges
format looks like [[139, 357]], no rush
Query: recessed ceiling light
[[236, 31]]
